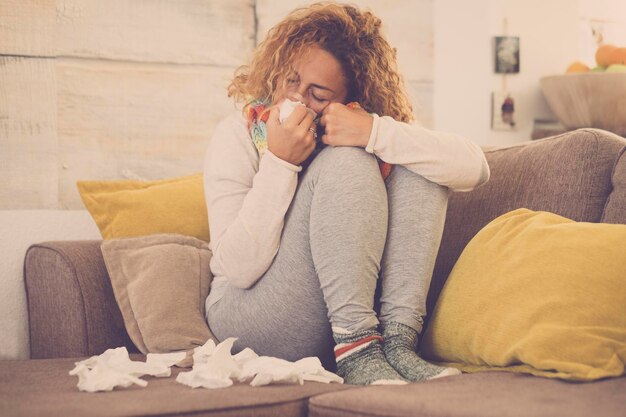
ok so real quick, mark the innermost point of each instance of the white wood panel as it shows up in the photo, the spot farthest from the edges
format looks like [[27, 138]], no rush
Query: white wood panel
[[421, 96], [217, 32], [129, 120], [28, 140], [27, 27], [406, 23]]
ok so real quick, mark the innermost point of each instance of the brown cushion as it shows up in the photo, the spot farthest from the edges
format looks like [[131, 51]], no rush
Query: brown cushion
[[615, 209], [160, 284], [569, 175], [44, 388], [486, 394]]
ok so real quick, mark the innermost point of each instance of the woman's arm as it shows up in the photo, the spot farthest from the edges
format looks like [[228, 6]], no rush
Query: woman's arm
[[247, 200], [442, 158]]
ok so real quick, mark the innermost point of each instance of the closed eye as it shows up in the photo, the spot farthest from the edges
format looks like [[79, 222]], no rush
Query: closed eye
[[317, 98]]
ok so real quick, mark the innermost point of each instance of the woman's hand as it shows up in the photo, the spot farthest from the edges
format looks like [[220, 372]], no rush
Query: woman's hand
[[345, 126], [293, 140]]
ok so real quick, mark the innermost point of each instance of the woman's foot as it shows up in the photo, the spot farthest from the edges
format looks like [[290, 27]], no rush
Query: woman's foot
[[360, 359], [400, 350]]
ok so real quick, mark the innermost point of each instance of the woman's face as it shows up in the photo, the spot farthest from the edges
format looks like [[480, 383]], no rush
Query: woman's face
[[318, 81]]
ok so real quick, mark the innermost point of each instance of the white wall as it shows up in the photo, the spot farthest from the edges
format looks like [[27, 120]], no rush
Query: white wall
[[553, 34], [464, 75], [461, 67]]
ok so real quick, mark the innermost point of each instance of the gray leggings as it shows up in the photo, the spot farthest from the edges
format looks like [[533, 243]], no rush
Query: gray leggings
[[345, 228]]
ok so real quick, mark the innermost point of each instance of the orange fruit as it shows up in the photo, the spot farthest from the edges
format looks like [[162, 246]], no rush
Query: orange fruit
[[603, 53], [577, 67], [618, 56]]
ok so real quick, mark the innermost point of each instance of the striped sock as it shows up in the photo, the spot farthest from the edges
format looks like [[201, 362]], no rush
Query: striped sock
[[400, 350], [360, 358]]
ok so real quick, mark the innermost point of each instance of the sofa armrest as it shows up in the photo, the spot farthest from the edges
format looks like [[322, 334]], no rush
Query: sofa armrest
[[71, 306]]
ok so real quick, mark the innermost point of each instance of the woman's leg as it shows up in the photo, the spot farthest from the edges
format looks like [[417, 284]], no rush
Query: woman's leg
[[326, 268], [417, 211]]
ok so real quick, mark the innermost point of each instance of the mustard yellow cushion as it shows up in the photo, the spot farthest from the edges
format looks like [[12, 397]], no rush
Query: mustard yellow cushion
[[128, 208], [537, 293]]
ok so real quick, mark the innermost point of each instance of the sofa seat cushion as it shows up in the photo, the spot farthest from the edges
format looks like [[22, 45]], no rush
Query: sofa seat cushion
[[486, 394], [44, 388]]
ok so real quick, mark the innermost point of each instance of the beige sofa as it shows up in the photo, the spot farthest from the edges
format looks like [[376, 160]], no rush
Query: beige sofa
[[580, 175]]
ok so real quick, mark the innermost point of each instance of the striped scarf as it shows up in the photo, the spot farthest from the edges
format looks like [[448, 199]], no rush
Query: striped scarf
[[257, 117]]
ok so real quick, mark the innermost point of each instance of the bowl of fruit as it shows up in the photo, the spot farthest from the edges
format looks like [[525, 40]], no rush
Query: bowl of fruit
[[591, 97]]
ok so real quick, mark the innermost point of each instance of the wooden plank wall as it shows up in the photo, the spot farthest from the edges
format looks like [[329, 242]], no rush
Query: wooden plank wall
[[118, 89], [93, 89]]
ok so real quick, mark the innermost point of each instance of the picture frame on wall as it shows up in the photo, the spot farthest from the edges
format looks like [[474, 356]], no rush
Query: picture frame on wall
[[503, 111], [507, 54]]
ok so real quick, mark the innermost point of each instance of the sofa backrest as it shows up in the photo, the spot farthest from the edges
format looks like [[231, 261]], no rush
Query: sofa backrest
[[570, 175]]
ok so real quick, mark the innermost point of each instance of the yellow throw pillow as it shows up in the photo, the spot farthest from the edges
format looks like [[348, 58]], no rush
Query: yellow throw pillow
[[128, 208], [537, 293]]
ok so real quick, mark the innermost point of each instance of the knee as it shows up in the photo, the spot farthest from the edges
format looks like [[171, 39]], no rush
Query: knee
[[403, 177], [344, 171], [345, 159], [406, 188]]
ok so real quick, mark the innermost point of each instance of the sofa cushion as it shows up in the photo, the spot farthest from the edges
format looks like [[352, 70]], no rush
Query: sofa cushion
[[538, 293], [486, 394], [126, 208], [44, 388], [161, 283], [569, 175], [615, 209]]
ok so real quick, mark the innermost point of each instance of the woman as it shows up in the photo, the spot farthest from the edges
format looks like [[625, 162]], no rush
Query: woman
[[297, 253]]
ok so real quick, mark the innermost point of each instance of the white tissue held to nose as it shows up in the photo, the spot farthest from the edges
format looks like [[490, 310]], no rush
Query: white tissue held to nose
[[287, 107]]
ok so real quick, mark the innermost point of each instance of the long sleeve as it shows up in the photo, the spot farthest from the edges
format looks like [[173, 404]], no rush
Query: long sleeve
[[247, 200], [443, 158]]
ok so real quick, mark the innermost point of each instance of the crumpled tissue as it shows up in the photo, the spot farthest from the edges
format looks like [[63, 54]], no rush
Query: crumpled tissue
[[213, 367], [114, 368]]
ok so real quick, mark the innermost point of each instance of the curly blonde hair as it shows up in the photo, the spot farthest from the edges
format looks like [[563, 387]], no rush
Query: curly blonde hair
[[353, 37]]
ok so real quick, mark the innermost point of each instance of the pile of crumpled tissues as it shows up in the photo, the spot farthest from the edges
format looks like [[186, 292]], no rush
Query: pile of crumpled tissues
[[213, 367]]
